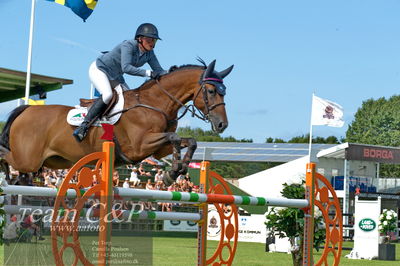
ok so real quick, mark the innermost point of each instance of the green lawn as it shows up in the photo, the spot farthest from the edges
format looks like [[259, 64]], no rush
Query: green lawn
[[179, 251]]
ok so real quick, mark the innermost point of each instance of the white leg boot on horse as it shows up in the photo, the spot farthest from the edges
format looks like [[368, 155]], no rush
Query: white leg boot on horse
[[94, 113]]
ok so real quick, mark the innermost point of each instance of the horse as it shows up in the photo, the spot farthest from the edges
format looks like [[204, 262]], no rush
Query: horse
[[36, 136]]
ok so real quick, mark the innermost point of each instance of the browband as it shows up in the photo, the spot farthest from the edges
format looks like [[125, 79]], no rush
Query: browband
[[214, 79]]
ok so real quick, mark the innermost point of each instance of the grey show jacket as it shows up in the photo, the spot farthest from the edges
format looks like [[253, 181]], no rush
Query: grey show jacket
[[127, 58]]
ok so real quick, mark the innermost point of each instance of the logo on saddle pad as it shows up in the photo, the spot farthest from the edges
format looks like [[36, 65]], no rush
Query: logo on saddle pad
[[76, 116]]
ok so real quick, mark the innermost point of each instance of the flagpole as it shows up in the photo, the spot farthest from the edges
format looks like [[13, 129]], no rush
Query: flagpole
[[28, 68], [310, 141]]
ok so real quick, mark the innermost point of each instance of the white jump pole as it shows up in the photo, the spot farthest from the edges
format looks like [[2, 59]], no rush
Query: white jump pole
[[141, 194]]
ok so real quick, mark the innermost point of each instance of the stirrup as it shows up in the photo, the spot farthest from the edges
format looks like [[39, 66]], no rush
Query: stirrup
[[80, 133]]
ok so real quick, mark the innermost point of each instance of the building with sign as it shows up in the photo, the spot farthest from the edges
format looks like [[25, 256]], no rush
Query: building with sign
[[351, 168]]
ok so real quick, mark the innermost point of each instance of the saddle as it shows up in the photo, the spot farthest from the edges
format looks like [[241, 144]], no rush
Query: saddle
[[89, 102]]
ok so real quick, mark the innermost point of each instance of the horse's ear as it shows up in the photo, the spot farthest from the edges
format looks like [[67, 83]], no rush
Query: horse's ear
[[225, 72], [210, 68]]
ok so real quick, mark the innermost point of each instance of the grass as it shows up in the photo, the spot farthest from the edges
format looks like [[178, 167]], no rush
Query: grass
[[177, 251]]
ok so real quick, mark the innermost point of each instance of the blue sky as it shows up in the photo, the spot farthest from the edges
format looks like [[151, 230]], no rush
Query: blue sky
[[346, 51]]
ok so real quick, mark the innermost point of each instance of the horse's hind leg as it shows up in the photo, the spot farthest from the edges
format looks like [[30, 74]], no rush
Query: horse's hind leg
[[24, 162], [6, 169]]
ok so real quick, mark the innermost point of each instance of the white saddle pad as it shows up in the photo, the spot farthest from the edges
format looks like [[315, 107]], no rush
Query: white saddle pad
[[76, 116]]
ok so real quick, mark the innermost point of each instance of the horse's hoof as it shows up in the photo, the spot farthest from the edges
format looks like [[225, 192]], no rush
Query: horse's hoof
[[168, 180]]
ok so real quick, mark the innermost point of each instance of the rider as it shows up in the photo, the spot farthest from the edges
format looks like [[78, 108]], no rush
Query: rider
[[109, 68]]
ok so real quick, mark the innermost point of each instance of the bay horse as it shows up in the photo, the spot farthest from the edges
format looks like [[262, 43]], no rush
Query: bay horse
[[36, 136]]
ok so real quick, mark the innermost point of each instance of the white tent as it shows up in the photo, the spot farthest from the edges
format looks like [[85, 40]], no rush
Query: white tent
[[268, 183]]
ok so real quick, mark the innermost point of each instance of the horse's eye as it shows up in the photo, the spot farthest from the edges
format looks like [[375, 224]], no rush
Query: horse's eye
[[211, 91]]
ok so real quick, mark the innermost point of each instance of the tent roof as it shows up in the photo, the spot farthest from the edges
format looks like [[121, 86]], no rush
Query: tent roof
[[12, 84], [254, 152]]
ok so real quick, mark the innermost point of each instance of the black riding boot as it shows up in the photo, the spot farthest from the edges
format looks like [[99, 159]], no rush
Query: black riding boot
[[94, 112]]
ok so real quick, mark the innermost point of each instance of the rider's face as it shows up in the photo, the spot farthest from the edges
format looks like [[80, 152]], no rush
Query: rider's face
[[148, 43]]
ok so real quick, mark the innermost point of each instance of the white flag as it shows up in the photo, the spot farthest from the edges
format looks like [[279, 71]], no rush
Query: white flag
[[325, 112]]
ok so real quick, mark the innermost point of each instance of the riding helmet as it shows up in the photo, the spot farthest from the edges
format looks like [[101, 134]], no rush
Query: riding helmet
[[147, 30]]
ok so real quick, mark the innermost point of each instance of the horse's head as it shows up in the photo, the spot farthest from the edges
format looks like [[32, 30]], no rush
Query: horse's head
[[209, 98]]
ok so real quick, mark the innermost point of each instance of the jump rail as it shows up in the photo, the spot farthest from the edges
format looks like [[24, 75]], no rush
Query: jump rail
[[187, 197]]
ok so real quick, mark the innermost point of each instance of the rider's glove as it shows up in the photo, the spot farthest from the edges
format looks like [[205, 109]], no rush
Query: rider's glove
[[155, 75]]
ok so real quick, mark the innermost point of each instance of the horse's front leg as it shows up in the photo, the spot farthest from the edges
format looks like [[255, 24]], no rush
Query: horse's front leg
[[191, 144], [173, 174], [179, 166]]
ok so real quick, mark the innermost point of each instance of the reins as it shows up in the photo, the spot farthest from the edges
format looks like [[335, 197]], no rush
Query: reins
[[191, 107]]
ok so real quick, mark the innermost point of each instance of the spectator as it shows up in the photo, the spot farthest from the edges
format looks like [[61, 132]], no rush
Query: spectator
[[59, 180], [196, 189], [30, 225], [126, 183], [159, 176], [181, 177], [94, 179], [10, 232], [47, 179], [149, 185], [116, 179], [134, 179], [187, 177], [142, 171], [159, 185]]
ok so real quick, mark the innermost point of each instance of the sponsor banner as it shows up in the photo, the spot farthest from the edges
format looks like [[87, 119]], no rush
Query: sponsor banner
[[366, 233], [180, 226], [194, 165], [251, 228], [373, 153]]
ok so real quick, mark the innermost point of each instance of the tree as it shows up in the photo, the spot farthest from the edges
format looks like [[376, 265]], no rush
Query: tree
[[289, 222], [2, 125], [305, 139], [275, 140], [377, 122], [208, 135]]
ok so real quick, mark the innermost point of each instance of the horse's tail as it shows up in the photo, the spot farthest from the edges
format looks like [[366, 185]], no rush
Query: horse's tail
[[5, 134]]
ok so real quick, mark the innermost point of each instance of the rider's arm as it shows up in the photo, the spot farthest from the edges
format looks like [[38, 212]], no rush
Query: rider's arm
[[155, 65], [127, 51]]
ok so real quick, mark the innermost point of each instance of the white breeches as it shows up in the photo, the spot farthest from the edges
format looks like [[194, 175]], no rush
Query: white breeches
[[100, 81]]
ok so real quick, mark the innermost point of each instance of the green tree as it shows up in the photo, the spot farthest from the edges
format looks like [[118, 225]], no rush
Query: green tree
[[289, 222], [206, 135], [274, 140], [377, 122], [305, 139], [2, 125]]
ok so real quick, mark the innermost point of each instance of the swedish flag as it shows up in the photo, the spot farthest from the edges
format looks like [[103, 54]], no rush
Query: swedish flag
[[35, 100], [82, 8]]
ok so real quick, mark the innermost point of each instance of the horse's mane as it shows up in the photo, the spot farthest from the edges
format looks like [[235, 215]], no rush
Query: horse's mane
[[151, 82]]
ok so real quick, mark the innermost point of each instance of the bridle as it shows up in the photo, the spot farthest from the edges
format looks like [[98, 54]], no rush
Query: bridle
[[204, 115]]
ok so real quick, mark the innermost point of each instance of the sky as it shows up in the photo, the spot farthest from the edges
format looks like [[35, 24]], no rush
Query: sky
[[346, 51]]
